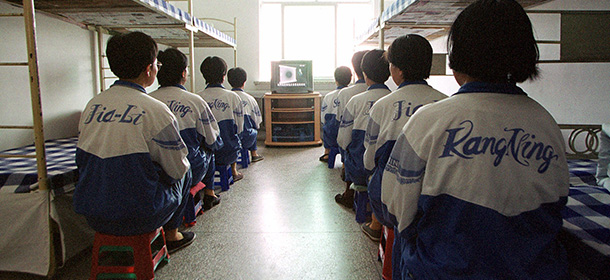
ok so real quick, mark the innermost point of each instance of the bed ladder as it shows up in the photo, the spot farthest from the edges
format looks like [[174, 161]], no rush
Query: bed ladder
[[102, 62], [40, 155], [32, 63]]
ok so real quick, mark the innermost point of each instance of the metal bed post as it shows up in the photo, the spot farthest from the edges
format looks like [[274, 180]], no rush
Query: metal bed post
[[30, 31], [41, 162], [100, 57], [235, 38], [381, 25], [192, 49]]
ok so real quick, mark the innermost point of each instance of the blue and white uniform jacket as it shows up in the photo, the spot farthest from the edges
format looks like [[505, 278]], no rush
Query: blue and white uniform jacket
[[330, 125], [228, 111], [343, 97], [387, 118], [252, 118], [198, 127], [346, 94], [129, 156], [352, 129], [475, 185]]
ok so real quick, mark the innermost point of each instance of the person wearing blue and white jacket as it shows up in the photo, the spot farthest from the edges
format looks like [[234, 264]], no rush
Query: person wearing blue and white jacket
[[356, 116], [347, 197], [330, 126], [252, 114], [198, 127], [130, 157], [476, 183], [410, 58], [227, 109]]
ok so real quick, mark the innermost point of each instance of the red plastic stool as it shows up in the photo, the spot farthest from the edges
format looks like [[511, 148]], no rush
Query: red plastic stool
[[194, 203], [385, 252], [147, 251]]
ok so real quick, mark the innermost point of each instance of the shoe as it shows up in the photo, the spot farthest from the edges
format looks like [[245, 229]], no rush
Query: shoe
[[210, 201], [324, 158], [374, 235], [188, 238], [238, 177], [345, 200], [257, 158]]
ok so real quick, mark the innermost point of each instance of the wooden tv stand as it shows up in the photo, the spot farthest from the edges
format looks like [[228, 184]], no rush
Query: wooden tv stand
[[292, 119]]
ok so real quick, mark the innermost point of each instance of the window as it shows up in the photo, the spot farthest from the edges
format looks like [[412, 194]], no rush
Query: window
[[319, 30]]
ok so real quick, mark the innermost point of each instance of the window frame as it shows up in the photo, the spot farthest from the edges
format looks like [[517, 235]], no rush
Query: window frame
[[332, 3]]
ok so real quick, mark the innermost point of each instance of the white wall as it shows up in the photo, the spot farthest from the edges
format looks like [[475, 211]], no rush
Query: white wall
[[67, 79], [574, 93], [577, 93], [246, 13]]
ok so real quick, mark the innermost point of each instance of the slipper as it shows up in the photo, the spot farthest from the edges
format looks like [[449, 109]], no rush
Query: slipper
[[324, 158], [238, 177]]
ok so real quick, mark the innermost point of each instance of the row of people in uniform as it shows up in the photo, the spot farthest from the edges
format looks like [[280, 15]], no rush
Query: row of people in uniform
[[473, 185], [139, 154]]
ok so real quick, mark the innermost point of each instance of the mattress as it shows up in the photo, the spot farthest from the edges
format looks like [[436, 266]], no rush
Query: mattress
[[586, 222], [20, 175]]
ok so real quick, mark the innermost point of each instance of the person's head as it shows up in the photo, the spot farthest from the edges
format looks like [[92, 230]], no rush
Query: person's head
[[213, 69], [237, 77], [375, 66], [173, 67], [343, 76], [412, 55], [357, 62], [493, 41], [131, 54]]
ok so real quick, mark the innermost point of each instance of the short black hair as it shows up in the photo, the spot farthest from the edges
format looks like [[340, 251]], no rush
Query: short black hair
[[237, 77], [357, 62], [343, 75], [412, 54], [129, 54], [376, 66], [213, 69], [174, 62], [493, 41]]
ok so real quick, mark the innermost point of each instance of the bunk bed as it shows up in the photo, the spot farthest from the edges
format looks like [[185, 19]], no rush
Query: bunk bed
[[430, 19], [164, 22], [35, 181], [586, 217]]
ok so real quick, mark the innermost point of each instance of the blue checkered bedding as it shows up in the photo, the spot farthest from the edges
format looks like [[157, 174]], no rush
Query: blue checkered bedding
[[20, 175], [587, 213]]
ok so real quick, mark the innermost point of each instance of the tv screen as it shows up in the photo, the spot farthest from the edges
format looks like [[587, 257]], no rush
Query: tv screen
[[291, 76]]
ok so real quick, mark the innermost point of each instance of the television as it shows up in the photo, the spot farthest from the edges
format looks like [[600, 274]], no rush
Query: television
[[291, 76]]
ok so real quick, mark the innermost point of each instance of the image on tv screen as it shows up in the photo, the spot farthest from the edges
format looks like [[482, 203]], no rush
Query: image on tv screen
[[291, 76]]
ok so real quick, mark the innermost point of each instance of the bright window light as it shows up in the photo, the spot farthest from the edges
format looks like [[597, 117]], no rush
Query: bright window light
[[319, 30]]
